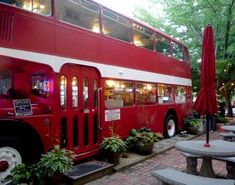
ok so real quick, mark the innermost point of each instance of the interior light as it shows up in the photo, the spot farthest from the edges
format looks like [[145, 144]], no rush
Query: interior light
[[110, 83], [96, 28], [42, 6]]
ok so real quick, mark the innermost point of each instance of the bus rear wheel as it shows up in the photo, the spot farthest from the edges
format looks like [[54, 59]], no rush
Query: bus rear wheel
[[169, 126]]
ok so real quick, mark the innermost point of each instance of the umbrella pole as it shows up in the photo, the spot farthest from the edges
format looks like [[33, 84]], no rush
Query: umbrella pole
[[207, 131]]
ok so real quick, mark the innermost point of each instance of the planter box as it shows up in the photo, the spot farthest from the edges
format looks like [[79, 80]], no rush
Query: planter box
[[144, 149]]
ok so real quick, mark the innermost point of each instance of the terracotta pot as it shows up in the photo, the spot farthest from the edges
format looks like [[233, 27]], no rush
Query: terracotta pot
[[144, 148]]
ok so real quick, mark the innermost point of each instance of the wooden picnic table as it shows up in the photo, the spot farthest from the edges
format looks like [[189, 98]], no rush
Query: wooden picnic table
[[218, 148]]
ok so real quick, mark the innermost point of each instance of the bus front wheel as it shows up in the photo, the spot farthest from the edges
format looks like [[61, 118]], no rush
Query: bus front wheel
[[169, 126], [12, 152]]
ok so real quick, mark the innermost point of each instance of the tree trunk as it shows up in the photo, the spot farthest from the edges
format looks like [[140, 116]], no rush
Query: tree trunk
[[228, 103]]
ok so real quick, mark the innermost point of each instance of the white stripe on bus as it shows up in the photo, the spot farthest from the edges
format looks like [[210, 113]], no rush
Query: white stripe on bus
[[107, 71]]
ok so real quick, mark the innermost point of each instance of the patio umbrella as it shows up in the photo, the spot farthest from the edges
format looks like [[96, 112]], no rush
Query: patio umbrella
[[206, 101]]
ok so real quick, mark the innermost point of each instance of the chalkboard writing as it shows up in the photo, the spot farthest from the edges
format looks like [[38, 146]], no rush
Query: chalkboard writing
[[22, 107]]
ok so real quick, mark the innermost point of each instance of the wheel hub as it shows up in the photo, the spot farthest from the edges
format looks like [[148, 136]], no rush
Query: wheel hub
[[9, 158], [3, 166]]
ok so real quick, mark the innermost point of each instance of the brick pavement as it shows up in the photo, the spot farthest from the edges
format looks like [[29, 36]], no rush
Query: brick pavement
[[141, 173]]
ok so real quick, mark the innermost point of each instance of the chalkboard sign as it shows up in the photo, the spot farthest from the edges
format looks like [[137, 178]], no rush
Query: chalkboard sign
[[22, 107]]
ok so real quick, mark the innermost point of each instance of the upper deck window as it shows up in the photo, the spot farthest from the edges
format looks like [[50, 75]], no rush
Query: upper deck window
[[116, 26], [177, 51], [162, 44], [80, 13], [143, 37], [37, 6], [186, 55]]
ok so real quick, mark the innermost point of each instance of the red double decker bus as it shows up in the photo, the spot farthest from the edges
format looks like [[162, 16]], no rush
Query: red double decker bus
[[71, 68]]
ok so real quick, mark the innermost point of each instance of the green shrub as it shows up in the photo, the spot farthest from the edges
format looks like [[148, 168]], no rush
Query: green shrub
[[192, 122], [220, 119]]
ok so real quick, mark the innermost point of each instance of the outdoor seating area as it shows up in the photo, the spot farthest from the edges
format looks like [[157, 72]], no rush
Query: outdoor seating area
[[171, 176], [194, 150]]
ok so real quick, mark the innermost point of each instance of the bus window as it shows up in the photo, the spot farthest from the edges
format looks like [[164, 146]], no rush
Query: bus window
[[37, 6], [177, 51], [63, 92], [75, 92], [165, 94], [143, 37], [116, 26], [180, 95], [85, 93], [162, 45], [5, 81], [145, 93], [40, 84], [80, 13], [118, 93], [186, 55]]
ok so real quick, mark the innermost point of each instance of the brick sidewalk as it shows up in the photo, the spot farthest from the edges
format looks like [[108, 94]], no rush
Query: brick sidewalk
[[141, 173]]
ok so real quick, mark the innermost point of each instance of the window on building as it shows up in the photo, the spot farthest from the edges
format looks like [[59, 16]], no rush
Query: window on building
[[81, 13], [37, 6], [143, 37], [40, 84], [145, 93], [115, 25], [118, 93], [180, 95]]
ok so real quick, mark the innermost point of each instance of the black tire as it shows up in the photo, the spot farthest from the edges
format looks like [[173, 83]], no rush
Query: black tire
[[13, 149], [169, 126]]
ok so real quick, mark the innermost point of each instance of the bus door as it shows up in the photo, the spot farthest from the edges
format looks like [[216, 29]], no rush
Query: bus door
[[79, 109]]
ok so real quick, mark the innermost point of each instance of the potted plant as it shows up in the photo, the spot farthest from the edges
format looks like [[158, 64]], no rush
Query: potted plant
[[54, 163], [114, 147], [192, 125], [142, 140], [22, 174]]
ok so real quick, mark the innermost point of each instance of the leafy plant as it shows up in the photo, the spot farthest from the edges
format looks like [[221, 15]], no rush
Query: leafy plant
[[21, 173], [143, 135], [192, 122], [220, 119], [56, 160], [114, 143]]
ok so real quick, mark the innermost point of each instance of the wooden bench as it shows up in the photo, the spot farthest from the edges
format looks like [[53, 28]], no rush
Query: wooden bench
[[174, 177], [230, 165], [191, 163], [228, 136]]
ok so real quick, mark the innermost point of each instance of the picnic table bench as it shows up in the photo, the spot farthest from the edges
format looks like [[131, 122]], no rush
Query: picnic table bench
[[228, 136], [230, 165], [170, 176], [191, 164]]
